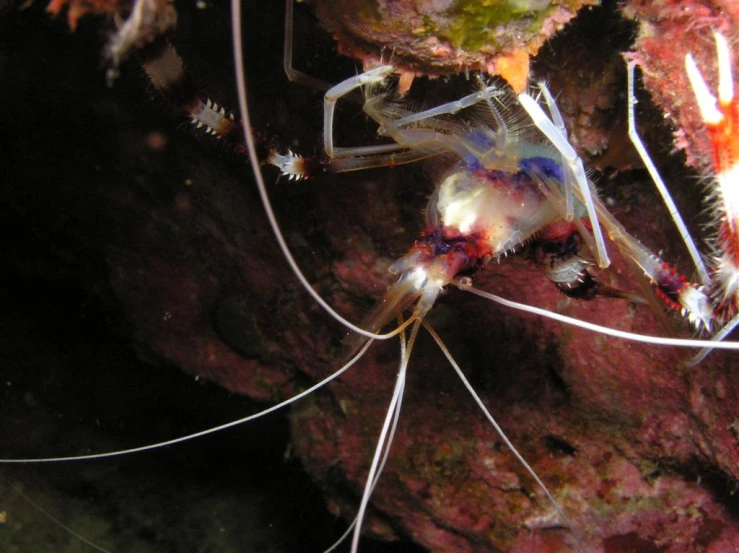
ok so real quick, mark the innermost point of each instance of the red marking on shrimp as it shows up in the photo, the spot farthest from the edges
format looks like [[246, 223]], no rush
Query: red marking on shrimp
[[725, 141], [558, 230]]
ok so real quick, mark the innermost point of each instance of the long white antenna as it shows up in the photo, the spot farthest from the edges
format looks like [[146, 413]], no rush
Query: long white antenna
[[442, 346], [255, 163], [202, 433], [634, 337]]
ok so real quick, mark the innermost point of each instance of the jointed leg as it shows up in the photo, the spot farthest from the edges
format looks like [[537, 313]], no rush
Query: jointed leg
[[722, 120], [559, 123], [413, 141], [677, 292], [374, 76], [293, 74], [573, 168], [659, 183], [446, 136], [500, 138], [397, 128]]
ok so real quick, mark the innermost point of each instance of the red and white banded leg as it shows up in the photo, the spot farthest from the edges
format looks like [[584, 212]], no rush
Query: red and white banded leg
[[721, 116]]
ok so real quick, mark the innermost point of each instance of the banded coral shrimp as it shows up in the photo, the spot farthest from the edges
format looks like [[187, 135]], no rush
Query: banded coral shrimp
[[446, 460]]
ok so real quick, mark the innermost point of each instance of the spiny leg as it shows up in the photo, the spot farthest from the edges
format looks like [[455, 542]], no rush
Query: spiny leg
[[419, 135], [412, 140], [722, 120], [676, 291], [439, 135]]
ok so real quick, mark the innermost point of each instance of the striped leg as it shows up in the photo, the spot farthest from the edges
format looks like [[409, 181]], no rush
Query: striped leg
[[721, 116]]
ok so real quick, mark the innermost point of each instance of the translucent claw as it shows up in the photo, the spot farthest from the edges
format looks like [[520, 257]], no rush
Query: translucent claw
[[725, 80], [706, 101], [573, 164]]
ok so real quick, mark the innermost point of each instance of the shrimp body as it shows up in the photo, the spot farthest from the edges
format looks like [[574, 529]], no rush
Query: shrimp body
[[471, 217], [475, 215], [500, 210], [508, 191]]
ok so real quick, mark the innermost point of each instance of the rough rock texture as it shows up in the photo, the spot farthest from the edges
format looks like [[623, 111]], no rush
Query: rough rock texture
[[668, 30], [432, 37], [584, 66], [640, 450]]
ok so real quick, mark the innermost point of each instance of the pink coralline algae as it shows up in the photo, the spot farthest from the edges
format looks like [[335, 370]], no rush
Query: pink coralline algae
[[668, 30], [638, 449], [621, 432]]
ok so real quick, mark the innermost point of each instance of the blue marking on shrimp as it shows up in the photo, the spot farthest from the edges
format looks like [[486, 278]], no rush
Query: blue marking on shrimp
[[547, 166]]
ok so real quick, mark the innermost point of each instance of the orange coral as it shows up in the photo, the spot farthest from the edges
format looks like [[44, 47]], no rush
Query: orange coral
[[78, 8]]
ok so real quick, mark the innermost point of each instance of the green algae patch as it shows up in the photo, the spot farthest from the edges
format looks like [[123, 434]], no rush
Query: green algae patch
[[478, 24]]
